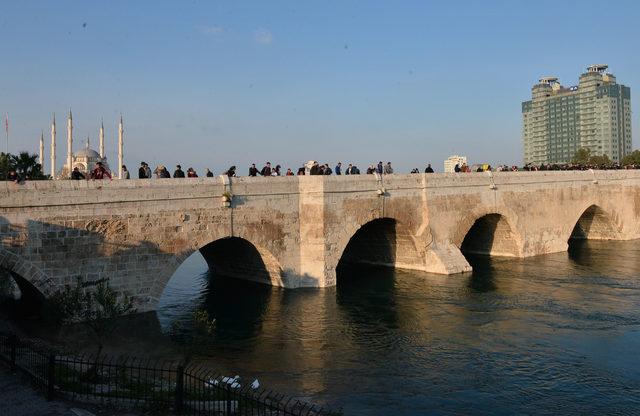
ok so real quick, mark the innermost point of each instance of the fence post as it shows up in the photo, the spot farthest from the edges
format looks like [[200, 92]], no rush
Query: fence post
[[51, 377], [13, 342], [179, 400]]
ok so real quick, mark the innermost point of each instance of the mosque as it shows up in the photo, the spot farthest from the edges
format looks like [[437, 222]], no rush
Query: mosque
[[84, 159]]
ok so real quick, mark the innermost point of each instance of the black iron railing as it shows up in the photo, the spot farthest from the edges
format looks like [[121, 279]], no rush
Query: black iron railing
[[146, 384]]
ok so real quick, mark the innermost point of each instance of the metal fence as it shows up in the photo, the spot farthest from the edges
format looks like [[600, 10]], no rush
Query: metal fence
[[134, 383]]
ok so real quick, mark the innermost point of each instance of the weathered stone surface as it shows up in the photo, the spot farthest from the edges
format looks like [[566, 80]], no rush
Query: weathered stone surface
[[297, 229]]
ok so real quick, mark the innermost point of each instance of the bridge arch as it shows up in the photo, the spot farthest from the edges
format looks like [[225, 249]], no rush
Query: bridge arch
[[382, 242], [28, 272], [490, 233], [230, 257], [595, 223]]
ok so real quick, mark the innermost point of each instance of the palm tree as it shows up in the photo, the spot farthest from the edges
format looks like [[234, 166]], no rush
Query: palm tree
[[6, 164], [27, 166]]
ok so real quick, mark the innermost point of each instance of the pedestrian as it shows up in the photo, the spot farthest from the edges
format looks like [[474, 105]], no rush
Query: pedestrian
[[301, 171], [142, 173], [276, 171], [191, 173], [178, 173], [327, 170], [210, 174], [13, 176], [161, 172], [99, 172], [253, 171], [125, 172], [429, 169], [379, 168], [147, 171], [388, 170], [371, 170], [289, 172], [76, 175], [456, 168], [349, 168], [266, 170], [315, 169], [338, 169], [231, 172]]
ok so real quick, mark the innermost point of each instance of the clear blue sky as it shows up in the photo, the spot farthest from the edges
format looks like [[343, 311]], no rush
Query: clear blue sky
[[211, 83]]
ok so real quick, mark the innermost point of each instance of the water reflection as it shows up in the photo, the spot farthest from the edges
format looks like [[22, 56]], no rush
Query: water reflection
[[539, 335], [545, 335], [483, 275]]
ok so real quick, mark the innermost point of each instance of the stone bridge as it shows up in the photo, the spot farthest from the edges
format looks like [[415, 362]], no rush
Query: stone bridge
[[297, 231]]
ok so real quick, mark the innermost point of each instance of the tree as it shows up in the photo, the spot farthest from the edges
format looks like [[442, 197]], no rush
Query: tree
[[27, 166], [193, 339], [6, 164], [599, 160], [97, 310], [582, 156], [632, 158]]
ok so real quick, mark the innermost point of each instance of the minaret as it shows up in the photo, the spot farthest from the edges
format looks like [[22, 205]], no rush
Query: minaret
[[69, 143], [53, 147], [120, 147], [41, 158], [101, 139]]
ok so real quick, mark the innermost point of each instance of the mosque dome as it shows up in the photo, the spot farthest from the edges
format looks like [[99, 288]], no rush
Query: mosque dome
[[87, 152]]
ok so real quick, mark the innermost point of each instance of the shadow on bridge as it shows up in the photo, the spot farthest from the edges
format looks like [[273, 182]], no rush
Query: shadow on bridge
[[595, 224], [44, 257], [491, 235]]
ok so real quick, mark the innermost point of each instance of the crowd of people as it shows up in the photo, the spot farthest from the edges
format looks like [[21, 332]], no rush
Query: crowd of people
[[314, 168], [161, 172]]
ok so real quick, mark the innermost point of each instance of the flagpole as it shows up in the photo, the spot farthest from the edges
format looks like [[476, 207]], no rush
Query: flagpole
[[6, 129]]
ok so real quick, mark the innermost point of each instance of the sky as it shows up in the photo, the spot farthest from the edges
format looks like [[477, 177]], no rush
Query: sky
[[220, 83]]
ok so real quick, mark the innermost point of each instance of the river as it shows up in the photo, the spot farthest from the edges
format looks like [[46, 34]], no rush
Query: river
[[551, 334], [554, 334]]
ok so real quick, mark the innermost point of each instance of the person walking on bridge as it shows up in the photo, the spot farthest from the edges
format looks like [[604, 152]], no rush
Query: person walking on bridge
[[76, 175], [266, 170], [142, 174], [178, 173], [99, 172]]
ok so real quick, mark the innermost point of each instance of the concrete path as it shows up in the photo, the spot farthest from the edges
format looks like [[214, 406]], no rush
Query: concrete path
[[19, 398]]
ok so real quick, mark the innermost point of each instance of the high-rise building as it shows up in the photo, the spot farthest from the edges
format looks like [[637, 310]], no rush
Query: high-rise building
[[452, 161], [595, 114]]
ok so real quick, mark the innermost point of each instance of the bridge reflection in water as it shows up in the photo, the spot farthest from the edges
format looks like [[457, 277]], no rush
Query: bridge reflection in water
[[536, 335]]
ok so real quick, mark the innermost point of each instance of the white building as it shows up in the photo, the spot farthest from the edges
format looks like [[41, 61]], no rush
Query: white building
[[452, 161], [595, 114]]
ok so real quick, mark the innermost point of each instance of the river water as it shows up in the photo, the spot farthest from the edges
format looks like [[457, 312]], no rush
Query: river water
[[555, 334], [545, 335]]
